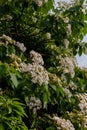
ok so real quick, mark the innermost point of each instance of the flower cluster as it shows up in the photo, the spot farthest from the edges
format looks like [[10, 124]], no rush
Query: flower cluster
[[40, 2], [14, 57], [38, 73], [68, 64], [63, 4], [63, 124], [66, 19], [36, 57], [35, 103], [48, 36], [20, 46], [7, 17], [9, 40], [15, 60], [82, 102]]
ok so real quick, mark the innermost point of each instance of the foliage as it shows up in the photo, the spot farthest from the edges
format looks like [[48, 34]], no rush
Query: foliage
[[11, 113], [41, 85]]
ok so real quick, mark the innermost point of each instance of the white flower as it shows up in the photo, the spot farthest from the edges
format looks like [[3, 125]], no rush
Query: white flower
[[9, 40], [36, 57], [15, 57], [66, 20], [67, 64], [68, 29], [45, 1], [38, 2], [82, 102], [38, 73], [20, 46], [66, 43], [48, 36], [8, 17], [35, 103], [63, 124]]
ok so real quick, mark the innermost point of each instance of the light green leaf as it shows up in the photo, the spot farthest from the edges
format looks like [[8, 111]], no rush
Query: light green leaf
[[2, 127], [45, 100], [14, 79]]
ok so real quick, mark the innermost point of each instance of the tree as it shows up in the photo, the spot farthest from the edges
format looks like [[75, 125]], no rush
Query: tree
[[41, 85]]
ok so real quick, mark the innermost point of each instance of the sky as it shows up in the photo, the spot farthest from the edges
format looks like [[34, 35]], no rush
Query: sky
[[81, 60]]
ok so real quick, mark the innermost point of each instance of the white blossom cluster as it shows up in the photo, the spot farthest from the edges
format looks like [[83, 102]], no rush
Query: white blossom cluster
[[63, 124], [40, 2], [66, 19], [48, 36], [36, 57], [14, 57], [82, 102], [38, 73], [68, 27], [9, 40], [20, 46], [68, 64], [60, 15], [64, 5], [7, 17], [35, 104], [35, 69]]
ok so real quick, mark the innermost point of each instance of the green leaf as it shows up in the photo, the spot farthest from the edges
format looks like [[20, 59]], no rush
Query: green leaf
[[14, 79], [50, 128], [2, 69], [46, 88], [4, 10], [53, 87], [9, 109], [45, 100], [2, 127], [23, 127], [60, 91]]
